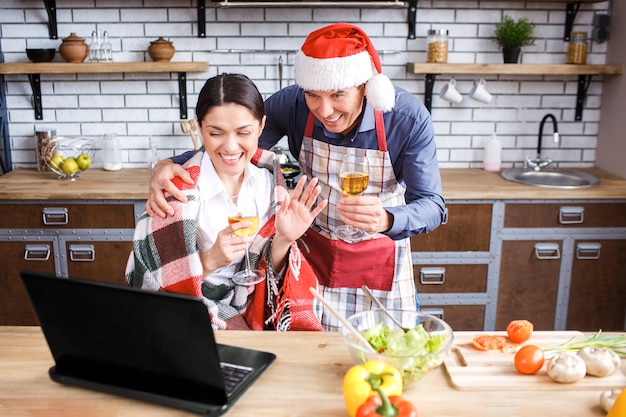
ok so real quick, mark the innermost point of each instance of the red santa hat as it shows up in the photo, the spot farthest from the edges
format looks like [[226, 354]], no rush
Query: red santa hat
[[341, 56]]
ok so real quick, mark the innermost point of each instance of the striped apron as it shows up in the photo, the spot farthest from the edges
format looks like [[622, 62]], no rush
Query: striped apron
[[381, 263]]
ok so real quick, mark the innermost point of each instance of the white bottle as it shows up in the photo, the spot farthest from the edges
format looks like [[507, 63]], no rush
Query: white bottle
[[112, 152], [493, 154]]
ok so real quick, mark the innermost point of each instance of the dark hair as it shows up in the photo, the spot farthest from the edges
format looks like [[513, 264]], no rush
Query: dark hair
[[230, 88]]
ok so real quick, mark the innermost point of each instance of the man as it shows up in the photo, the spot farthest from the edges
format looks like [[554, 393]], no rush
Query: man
[[342, 103]]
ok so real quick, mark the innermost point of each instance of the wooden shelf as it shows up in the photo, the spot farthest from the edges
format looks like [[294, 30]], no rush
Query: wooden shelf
[[100, 67], [34, 71], [584, 72], [515, 69]]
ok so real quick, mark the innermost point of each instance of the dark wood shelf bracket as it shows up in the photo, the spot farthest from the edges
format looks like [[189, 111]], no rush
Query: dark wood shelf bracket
[[581, 95], [51, 8], [201, 18], [570, 16], [412, 18], [35, 83], [182, 94], [428, 91]]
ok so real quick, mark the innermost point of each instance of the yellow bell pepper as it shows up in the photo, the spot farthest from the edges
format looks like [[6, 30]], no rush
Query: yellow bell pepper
[[360, 381], [619, 406]]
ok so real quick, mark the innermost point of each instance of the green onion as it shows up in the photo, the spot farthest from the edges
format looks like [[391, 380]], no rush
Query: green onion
[[617, 343]]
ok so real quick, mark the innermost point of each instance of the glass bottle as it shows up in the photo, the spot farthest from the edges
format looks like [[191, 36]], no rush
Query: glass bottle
[[107, 53], [154, 154], [577, 48], [94, 47], [437, 46], [112, 152]]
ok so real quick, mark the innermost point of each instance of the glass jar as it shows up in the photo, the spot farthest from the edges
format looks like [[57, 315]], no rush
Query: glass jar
[[577, 48], [111, 152], [46, 148], [437, 46]]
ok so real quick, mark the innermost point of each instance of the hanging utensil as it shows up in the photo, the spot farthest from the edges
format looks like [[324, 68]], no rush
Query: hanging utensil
[[342, 319], [280, 72], [187, 127], [380, 305]]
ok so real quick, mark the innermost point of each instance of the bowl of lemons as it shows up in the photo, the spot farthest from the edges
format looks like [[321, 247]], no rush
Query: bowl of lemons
[[69, 156]]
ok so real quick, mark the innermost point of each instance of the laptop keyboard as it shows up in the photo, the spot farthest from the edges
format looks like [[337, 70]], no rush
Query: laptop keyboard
[[234, 375]]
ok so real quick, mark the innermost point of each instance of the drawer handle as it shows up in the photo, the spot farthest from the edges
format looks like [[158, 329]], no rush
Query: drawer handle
[[55, 216], [437, 312], [37, 253], [82, 253], [571, 215], [588, 250], [547, 251], [432, 276]]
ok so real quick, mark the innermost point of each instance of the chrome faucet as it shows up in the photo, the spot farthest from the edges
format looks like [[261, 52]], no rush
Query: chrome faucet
[[537, 164]]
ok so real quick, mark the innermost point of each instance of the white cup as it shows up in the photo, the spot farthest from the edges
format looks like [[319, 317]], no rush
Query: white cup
[[479, 92], [450, 93]]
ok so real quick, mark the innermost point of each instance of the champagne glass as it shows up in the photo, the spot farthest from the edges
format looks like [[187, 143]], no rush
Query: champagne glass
[[245, 209], [353, 180]]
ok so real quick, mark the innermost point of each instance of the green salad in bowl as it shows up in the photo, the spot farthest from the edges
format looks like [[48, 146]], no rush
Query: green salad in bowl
[[416, 349]]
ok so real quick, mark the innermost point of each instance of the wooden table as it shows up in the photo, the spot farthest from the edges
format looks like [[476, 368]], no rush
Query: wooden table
[[305, 380]]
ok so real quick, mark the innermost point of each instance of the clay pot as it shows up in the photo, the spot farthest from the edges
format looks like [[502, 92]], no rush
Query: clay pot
[[161, 50], [74, 48]]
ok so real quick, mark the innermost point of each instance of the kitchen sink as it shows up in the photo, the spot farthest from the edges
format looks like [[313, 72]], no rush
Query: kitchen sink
[[557, 178]]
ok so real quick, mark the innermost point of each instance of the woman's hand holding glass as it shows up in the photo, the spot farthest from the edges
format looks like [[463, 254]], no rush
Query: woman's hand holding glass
[[244, 209]]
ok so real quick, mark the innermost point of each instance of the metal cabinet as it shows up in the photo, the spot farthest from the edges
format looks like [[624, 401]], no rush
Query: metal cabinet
[[562, 265], [558, 263], [452, 265], [84, 239]]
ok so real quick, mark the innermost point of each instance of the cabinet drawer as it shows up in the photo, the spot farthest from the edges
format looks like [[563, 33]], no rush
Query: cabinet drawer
[[468, 229], [98, 261], [565, 215], [67, 216], [450, 278], [528, 283], [460, 317], [597, 296], [35, 256]]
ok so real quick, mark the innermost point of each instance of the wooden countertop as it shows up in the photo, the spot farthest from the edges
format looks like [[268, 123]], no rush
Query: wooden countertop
[[132, 184], [305, 380]]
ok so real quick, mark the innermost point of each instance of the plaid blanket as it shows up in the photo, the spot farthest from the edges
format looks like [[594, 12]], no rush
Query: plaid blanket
[[165, 256]]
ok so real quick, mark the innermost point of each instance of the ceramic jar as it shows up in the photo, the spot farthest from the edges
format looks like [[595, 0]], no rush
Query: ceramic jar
[[74, 48], [161, 50]]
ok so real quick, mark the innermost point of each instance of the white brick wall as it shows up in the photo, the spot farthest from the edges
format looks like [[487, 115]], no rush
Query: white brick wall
[[142, 106]]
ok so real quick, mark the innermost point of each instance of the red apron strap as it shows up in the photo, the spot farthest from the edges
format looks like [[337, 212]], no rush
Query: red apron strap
[[380, 131], [308, 129]]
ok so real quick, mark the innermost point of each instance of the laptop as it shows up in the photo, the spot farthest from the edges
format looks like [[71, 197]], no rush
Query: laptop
[[152, 346]]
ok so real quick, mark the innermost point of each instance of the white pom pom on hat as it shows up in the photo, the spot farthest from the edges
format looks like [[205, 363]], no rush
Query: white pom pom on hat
[[341, 56]]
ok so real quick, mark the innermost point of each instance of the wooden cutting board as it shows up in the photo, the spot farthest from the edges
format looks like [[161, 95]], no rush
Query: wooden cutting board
[[495, 369]]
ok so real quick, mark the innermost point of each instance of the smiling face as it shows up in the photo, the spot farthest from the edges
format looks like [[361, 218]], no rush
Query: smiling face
[[338, 110], [231, 136]]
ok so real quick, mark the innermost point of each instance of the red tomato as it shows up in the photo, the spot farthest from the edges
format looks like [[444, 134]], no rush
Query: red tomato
[[529, 359], [519, 331], [488, 342]]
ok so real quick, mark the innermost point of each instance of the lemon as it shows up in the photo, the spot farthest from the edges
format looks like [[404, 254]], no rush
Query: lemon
[[69, 166]]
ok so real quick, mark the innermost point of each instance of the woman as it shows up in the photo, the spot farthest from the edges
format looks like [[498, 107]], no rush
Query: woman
[[196, 251]]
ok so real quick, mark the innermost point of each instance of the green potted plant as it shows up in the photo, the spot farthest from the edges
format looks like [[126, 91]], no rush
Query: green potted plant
[[511, 35]]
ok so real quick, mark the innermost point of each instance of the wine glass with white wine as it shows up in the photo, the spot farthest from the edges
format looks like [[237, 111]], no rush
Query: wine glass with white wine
[[354, 177], [245, 209]]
